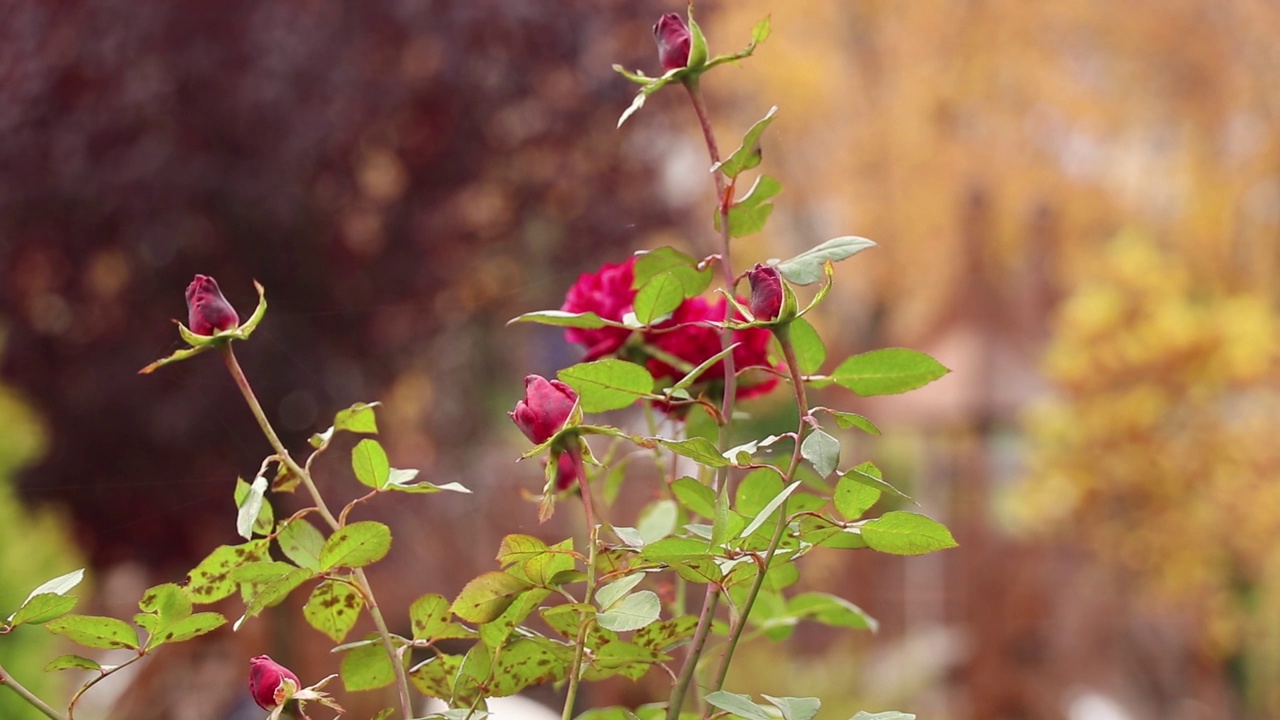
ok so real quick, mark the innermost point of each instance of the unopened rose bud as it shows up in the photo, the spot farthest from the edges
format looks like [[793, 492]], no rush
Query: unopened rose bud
[[208, 312], [566, 472], [267, 681], [546, 407], [673, 40], [766, 291]]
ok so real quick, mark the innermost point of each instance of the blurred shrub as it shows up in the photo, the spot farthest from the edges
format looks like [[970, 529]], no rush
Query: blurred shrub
[[1159, 450]]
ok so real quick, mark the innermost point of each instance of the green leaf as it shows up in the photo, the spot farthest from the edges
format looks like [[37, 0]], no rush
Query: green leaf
[[847, 420], [432, 620], [657, 520], [747, 156], [401, 480], [906, 533], [560, 318], [94, 631], [794, 708], [333, 609], [367, 668], [696, 448], [668, 634], [822, 450], [468, 686], [609, 384], [356, 545], [887, 371], [302, 543], [692, 376], [254, 513], [518, 548], [806, 268], [750, 213], [669, 261], [622, 658], [888, 715], [755, 491], [486, 597], [831, 610], [57, 586], [42, 608], [359, 418], [72, 662], [369, 461], [740, 705], [525, 662], [616, 590], [632, 612], [868, 474], [695, 496], [853, 498], [809, 348], [434, 676], [267, 584], [187, 628], [542, 570], [658, 298], [773, 505], [211, 580]]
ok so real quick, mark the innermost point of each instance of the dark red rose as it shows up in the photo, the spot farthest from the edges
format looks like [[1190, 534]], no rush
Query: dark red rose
[[766, 291], [673, 39], [208, 311], [545, 408], [607, 293], [266, 677], [697, 341]]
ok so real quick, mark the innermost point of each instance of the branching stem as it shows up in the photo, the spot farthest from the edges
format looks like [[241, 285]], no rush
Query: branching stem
[[303, 474]]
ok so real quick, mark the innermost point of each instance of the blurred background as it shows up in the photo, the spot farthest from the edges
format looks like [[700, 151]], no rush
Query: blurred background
[[1077, 205]]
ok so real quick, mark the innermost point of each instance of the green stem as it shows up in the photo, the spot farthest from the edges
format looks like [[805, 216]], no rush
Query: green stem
[[380, 623], [802, 403], [71, 706], [723, 200], [580, 648], [12, 683]]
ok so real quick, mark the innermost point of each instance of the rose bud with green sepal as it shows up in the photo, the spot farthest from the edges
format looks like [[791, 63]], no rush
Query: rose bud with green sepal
[[771, 298], [208, 312], [673, 38], [271, 683], [546, 407]]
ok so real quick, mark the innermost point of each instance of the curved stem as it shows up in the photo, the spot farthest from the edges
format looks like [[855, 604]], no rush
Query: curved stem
[[724, 198], [12, 683], [71, 706], [580, 649], [375, 613], [802, 403]]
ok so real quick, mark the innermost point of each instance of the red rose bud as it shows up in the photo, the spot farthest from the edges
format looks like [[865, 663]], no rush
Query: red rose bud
[[267, 677], [208, 312], [546, 407], [566, 472], [766, 291], [673, 40]]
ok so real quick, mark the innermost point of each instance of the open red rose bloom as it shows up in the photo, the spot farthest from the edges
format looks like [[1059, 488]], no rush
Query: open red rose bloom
[[688, 334]]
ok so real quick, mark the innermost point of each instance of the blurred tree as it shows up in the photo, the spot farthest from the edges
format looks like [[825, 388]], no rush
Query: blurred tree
[[394, 173], [1158, 450]]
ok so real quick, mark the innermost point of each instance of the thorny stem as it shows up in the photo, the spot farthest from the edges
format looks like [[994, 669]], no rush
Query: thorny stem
[[580, 648], [723, 201], [362, 581], [12, 683], [802, 402]]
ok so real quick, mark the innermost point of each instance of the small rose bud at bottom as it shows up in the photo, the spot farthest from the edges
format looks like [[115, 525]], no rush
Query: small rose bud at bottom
[[271, 683]]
